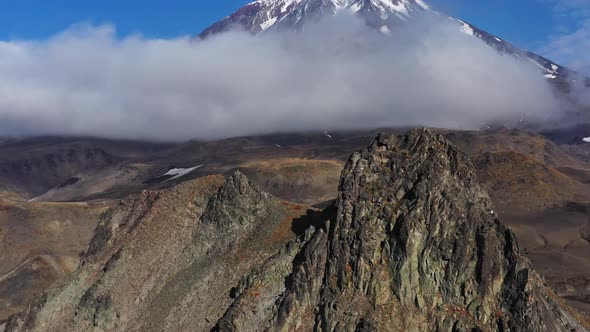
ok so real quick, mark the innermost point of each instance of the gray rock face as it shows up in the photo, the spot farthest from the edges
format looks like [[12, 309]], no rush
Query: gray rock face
[[416, 246], [411, 244]]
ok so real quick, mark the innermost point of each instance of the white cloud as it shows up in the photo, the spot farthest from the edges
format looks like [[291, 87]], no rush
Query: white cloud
[[572, 47], [334, 75], [570, 44], [571, 7]]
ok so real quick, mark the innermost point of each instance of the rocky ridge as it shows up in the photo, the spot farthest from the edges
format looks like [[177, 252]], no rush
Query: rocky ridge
[[411, 244], [416, 246]]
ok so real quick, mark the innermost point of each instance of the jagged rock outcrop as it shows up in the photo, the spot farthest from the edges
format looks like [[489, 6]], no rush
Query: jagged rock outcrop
[[411, 244], [174, 260], [416, 246]]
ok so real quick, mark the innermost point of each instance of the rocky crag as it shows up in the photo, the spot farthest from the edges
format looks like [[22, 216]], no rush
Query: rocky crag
[[411, 244]]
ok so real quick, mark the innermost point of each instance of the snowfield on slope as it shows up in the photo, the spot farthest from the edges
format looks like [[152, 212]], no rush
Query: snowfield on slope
[[179, 172]]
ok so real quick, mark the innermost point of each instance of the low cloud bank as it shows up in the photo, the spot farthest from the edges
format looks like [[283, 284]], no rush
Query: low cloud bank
[[337, 74]]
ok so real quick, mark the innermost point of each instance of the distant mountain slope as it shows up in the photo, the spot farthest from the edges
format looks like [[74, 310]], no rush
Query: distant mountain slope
[[383, 15]]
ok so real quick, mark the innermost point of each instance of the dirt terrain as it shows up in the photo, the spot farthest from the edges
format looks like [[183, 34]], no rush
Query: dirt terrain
[[40, 244]]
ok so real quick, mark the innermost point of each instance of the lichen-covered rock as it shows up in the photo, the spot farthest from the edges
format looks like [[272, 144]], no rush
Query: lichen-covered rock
[[416, 246]]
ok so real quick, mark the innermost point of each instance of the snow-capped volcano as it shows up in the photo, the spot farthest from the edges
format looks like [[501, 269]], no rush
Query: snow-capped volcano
[[384, 15], [263, 15]]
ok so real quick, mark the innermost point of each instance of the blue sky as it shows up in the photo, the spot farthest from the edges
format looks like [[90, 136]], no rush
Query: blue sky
[[559, 29], [38, 19], [523, 22]]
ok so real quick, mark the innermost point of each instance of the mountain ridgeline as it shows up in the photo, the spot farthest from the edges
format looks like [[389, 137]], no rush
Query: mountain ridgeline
[[383, 15], [411, 243]]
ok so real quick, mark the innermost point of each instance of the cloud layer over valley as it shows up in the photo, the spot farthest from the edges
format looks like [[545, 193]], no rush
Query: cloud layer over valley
[[333, 75]]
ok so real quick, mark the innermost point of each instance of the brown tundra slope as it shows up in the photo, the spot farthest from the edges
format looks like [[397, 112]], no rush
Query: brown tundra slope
[[411, 244], [40, 243]]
